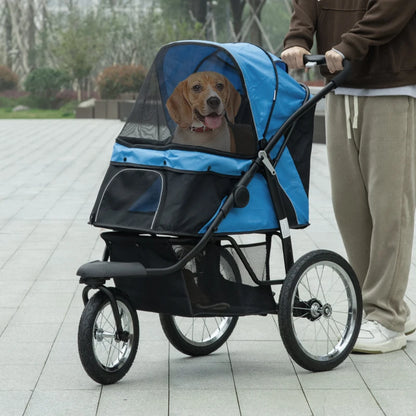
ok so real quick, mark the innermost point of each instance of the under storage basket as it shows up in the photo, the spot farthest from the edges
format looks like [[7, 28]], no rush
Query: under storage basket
[[210, 284]]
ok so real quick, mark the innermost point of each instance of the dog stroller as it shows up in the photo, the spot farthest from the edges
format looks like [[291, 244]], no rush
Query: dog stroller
[[194, 230]]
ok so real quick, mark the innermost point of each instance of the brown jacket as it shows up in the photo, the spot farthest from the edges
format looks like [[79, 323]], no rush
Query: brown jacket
[[378, 36]]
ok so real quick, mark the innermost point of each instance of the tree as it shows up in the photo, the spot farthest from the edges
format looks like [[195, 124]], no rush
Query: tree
[[80, 45], [103, 33]]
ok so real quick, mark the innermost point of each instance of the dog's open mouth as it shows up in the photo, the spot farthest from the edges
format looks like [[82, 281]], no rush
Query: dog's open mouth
[[212, 121]]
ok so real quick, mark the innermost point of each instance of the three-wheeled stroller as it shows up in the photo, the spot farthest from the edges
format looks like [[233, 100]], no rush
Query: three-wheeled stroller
[[194, 229]]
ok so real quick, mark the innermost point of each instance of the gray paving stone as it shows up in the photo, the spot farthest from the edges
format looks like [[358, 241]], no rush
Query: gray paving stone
[[46, 194], [273, 402]]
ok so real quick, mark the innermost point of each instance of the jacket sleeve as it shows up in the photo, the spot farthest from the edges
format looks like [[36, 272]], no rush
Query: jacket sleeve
[[302, 24], [383, 20]]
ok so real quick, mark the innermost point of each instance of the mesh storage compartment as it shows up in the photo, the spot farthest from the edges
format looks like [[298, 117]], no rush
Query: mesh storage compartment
[[256, 263], [211, 284]]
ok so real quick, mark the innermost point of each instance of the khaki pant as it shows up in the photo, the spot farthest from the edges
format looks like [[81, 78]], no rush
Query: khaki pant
[[371, 150]]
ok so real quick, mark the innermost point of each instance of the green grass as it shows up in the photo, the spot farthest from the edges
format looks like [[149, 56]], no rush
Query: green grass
[[7, 113], [7, 105]]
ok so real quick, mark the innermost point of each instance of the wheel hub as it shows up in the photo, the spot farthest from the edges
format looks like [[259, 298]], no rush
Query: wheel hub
[[327, 310], [99, 334], [316, 308]]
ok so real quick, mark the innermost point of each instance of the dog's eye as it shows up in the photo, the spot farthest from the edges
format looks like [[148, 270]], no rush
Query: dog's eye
[[196, 88], [220, 86]]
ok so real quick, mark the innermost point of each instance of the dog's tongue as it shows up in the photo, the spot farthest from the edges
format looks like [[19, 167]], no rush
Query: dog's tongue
[[212, 122]]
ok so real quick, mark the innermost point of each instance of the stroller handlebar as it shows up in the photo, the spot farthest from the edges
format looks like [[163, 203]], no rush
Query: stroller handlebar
[[314, 60], [320, 60]]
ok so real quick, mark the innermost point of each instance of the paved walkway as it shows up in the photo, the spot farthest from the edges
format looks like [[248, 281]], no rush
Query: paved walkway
[[50, 173]]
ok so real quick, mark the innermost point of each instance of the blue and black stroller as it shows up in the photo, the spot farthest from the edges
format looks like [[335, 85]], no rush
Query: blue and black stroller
[[194, 229]]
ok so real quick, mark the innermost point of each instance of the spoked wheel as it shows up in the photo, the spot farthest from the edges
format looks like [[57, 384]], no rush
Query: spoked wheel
[[202, 336], [106, 355], [320, 310]]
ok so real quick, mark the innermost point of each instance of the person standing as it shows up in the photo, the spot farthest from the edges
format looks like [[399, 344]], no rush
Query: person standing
[[371, 144]]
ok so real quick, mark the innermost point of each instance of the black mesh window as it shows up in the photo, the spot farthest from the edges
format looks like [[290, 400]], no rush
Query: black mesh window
[[153, 122]]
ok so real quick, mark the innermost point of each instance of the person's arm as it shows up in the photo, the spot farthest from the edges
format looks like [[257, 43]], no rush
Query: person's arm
[[299, 39], [383, 20], [302, 24]]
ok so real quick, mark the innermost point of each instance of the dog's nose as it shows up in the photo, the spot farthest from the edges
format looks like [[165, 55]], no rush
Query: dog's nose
[[213, 102]]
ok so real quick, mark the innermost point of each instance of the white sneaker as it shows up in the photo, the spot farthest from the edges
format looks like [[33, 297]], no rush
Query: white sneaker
[[374, 338], [410, 325]]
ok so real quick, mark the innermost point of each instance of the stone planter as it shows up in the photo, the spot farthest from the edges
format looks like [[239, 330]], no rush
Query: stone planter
[[84, 112], [107, 109], [125, 108]]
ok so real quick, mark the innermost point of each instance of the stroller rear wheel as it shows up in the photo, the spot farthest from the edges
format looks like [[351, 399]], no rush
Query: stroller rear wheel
[[320, 310], [106, 355], [197, 336], [204, 335]]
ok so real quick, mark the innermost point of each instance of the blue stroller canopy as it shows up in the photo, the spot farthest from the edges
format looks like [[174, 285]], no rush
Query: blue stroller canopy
[[273, 96], [179, 189]]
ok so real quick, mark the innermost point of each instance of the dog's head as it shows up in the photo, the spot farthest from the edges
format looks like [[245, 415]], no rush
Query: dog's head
[[203, 97]]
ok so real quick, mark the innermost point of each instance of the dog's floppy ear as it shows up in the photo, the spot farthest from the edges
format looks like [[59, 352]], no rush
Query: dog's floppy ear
[[233, 102], [179, 109]]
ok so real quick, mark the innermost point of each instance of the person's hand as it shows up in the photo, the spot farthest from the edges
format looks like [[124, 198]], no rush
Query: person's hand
[[334, 61], [293, 57]]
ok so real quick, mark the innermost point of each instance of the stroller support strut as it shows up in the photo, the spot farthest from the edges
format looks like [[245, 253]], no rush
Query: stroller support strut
[[120, 335]]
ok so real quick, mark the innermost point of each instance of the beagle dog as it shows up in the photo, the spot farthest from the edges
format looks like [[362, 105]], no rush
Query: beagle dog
[[201, 105]]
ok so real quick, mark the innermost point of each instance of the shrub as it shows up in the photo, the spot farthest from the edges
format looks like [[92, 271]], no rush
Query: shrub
[[8, 79], [64, 97], [118, 79], [44, 84]]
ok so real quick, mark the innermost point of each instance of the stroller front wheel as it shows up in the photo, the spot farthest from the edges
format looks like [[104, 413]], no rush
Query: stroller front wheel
[[320, 310], [105, 355]]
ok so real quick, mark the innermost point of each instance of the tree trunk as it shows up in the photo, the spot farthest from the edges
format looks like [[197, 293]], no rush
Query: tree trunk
[[255, 32], [31, 34], [237, 7], [9, 38], [199, 10]]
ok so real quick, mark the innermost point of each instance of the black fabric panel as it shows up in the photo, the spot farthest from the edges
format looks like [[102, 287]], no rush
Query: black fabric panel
[[162, 294], [300, 146], [167, 202], [191, 201]]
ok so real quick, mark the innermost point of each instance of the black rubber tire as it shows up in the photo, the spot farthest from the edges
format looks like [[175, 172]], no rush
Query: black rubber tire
[[89, 342], [318, 327], [222, 326]]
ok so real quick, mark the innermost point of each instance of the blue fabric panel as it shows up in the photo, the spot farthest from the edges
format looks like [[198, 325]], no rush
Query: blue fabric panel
[[260, 81], [180, 160], [258, 215], [290, 96], [259, 76], [291, 183]]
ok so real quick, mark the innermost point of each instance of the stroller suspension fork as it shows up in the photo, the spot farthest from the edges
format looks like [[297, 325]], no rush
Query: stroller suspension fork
[[120, 334], [279, 208]]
